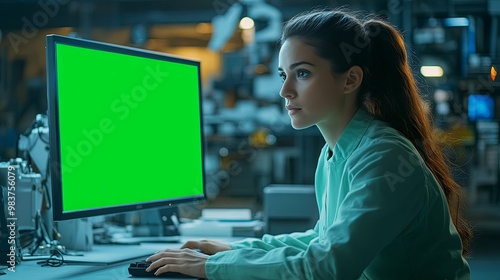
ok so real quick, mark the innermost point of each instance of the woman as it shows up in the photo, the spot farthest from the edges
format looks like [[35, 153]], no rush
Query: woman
[[389, 208]]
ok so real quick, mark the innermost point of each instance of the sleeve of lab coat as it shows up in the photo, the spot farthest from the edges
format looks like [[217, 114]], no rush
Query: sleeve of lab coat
[[268, 242]]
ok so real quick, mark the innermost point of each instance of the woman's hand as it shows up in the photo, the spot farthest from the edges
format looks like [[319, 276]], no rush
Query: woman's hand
[[208, 247], [185, 261]]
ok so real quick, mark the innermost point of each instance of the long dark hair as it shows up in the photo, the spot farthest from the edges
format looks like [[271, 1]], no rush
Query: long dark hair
[[388, 91]]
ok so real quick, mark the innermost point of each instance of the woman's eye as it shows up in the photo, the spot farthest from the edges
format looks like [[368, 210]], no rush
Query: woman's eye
[[283, 76], [302, 73]]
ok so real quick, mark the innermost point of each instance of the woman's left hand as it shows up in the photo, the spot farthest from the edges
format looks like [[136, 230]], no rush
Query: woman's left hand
[[185, 261]]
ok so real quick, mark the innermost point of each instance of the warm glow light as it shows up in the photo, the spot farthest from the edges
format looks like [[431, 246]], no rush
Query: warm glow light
[[203, 28], [246, 23], [431, 71], [493, 73]]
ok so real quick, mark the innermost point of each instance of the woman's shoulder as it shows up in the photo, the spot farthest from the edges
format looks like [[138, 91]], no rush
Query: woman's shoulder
[[384, 153], [381, 129], [382, 143], [380, 133]]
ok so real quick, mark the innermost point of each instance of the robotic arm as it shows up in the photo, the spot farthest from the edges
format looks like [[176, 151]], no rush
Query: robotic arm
[[225, 25]]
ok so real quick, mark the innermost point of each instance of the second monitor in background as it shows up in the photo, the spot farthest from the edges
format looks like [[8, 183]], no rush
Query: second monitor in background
[[480, 107]]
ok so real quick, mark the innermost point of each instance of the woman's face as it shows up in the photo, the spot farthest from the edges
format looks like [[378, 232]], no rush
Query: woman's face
[[314, 94]]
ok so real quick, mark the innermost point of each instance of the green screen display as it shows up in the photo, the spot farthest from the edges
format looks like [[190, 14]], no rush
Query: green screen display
[[129, 128]]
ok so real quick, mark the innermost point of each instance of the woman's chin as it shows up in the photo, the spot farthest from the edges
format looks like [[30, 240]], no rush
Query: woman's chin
[[299, 126]]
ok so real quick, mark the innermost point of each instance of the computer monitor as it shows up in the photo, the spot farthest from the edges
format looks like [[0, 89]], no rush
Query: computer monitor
[[480, 107], [125, 126]]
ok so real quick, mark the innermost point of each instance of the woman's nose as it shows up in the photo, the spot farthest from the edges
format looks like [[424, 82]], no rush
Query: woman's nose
[[287, 91]]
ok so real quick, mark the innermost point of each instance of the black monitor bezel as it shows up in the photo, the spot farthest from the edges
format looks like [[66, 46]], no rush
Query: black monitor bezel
[[53, 112]]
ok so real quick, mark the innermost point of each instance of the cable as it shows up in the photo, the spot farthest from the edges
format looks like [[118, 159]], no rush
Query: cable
[[39, 231], [40, 136], [44, 184], [37, 245], [56, 259], [46, 194]]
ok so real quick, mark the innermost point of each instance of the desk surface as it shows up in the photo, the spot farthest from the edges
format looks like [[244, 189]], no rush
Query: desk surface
[[114, 262]]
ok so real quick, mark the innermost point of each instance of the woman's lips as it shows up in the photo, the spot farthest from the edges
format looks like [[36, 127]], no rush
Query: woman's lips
[[292, 110]]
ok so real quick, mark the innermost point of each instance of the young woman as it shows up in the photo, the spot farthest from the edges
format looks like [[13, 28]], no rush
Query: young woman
[[389, 208]]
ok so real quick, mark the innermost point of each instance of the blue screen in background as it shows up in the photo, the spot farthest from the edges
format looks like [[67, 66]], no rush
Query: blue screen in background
[[480, 107]]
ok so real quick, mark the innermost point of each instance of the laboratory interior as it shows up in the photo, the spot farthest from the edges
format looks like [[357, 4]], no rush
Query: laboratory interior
[[160, 120]]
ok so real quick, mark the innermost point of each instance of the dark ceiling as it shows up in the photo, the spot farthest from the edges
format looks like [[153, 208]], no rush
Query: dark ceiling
[[16, 14]]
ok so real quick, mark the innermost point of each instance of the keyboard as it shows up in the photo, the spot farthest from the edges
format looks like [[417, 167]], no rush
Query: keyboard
[[138, 269]]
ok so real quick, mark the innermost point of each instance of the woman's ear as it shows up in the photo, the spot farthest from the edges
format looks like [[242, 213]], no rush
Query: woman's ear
[[354, 77]]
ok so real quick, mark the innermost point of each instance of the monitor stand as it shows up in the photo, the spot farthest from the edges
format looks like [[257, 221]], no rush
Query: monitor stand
[[76, 234], [154, 226]]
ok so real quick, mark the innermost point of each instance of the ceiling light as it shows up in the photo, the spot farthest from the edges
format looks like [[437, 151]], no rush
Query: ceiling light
[[431, 71], [246, 23]]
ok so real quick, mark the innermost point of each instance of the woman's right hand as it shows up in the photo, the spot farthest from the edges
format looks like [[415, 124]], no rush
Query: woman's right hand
[[208, 247]]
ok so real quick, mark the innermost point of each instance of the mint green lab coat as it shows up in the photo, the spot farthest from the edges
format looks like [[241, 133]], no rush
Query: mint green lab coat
[[382, 216]]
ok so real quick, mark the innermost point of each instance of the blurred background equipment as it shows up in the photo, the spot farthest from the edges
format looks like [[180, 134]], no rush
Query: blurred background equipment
[[290, 208]]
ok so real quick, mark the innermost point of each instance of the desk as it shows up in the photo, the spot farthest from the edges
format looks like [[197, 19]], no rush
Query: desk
[[114, 262]]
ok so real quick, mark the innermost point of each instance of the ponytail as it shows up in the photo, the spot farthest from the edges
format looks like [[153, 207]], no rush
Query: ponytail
[[390, 93]]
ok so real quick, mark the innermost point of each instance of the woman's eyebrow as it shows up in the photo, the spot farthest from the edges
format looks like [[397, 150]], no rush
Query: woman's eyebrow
[[294, 65]]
